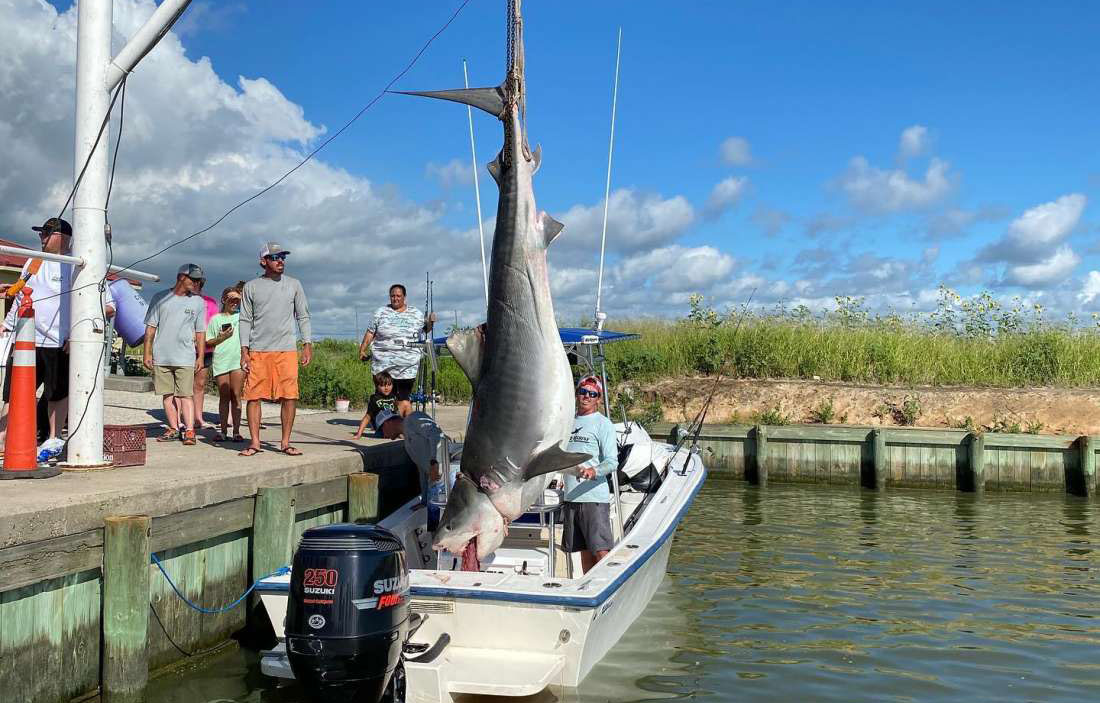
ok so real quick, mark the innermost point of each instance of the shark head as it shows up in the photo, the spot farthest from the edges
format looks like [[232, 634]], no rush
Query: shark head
[[469, 515]]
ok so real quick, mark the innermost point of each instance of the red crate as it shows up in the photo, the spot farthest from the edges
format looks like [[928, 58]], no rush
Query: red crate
[[124, 445]]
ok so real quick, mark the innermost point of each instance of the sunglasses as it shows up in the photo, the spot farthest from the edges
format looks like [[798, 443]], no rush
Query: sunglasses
[[276, 257], [585, 393]]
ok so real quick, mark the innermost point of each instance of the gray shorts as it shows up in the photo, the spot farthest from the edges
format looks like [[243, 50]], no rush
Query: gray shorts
[[587, 527]]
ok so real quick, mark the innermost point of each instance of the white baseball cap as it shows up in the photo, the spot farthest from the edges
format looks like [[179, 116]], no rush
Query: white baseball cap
[[272, 248]]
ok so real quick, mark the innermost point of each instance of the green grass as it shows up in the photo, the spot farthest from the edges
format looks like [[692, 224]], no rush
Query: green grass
[[973, 341]]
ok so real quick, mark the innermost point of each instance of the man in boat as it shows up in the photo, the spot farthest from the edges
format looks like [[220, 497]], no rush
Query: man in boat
[[587, 510], [272, 306]]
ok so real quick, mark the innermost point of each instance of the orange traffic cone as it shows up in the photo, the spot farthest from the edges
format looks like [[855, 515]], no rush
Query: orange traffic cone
[[20, 446]]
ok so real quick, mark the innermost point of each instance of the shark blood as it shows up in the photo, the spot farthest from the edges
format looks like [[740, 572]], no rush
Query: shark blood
[[469, 557]]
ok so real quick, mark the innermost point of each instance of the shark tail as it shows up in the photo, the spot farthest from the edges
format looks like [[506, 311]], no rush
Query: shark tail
[[490, 100]]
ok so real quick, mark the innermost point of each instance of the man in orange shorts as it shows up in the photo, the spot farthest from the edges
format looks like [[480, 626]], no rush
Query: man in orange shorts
[[271, 306]]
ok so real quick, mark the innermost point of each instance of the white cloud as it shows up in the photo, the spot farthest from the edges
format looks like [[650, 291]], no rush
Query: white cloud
[[736, 151], [1091, 289], [725, 195], [1048, 223], [1052, 270], [454, 172], [635, 221], [882, 191], [914, 141]]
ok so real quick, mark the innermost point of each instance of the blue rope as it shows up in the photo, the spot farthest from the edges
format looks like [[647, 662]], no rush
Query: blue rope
[[208, 611]]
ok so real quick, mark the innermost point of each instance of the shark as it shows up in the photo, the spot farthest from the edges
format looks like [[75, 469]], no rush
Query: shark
[[523, 406]]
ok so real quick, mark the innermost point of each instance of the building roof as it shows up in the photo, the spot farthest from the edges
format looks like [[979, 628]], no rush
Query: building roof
[[15, 261]]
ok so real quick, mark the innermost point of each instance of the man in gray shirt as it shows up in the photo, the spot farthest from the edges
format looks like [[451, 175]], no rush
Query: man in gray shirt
[[271, 306], [175, 340]]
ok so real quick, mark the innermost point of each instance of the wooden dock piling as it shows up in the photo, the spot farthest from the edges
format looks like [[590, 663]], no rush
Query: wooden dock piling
[[272, 530], [760, 433], [878, 453], [363, 497], [976, 464], [125, 608]]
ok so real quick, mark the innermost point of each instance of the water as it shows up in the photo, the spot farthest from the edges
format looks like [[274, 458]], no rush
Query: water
[[812, 593]]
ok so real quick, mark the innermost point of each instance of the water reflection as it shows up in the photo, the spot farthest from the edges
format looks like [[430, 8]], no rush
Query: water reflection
[[816, 593]]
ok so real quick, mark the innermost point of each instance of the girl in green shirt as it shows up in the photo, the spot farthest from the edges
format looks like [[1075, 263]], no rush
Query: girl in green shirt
[[221, 335]]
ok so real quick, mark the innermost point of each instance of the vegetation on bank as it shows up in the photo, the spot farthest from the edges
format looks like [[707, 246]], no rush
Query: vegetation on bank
[[963, 341]]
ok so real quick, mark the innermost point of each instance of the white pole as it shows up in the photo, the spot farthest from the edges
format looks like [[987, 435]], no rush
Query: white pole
[[607, 187], [76, 261], [145, 39], [477, 190], [86, 338]]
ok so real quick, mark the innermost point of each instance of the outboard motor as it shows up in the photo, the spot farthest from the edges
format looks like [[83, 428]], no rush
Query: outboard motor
[[348, 614]]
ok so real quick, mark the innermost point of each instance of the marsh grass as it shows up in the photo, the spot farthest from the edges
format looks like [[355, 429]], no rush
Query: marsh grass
[[983, 347], [963, 341]]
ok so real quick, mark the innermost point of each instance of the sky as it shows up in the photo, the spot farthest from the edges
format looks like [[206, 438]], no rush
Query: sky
[[793, 152]]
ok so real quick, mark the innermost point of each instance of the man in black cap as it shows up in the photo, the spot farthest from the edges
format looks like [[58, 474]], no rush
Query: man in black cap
[[50, 283]]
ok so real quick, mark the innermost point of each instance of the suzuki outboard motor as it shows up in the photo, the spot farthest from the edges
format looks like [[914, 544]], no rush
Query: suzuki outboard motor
[[348, 614]]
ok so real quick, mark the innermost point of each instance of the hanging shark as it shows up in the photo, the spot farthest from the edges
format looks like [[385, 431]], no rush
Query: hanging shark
[[523, 389]]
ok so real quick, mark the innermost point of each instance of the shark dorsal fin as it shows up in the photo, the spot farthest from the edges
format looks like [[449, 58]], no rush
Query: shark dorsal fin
[[490, 100], [551, 228]]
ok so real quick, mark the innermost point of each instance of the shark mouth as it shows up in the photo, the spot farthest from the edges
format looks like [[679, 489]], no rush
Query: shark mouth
[[470, 561]]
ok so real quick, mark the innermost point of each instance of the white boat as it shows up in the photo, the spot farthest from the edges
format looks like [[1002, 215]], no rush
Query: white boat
[[529, 621]]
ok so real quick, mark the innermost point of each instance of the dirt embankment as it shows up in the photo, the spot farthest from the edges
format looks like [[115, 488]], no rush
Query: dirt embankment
[[1045, 410]]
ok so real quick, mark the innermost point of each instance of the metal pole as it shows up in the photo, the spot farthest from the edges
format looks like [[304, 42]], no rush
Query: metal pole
[[75, 261], [607, 187], [477, 190], [86, 338]]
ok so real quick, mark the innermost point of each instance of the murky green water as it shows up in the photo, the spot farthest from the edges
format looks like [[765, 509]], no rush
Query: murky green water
[[807, 593]]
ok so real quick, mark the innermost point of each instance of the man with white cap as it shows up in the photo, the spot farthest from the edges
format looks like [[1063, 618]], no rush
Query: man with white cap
[[271, 307], [175, 340]]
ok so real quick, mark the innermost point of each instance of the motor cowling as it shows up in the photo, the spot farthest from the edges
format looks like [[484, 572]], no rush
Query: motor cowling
[[348, 614]]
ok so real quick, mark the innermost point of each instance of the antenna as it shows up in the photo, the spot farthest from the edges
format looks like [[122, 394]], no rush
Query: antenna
[[607, 188], [477, 189]]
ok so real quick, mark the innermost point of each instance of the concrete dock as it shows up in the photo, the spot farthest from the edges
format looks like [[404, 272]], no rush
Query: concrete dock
[[178, 478], [82, 609]]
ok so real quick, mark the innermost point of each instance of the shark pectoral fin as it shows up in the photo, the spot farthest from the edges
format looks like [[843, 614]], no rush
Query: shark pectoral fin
[[490, 100], [551, 228], [496, 167], [467, 347], [554, 459]]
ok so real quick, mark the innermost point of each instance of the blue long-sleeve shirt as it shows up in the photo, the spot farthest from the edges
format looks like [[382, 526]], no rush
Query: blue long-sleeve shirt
[[594, 434]]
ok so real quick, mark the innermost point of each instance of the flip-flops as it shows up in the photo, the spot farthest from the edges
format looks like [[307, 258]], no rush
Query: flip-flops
[[189, 438], [249, 451], [292, 451]]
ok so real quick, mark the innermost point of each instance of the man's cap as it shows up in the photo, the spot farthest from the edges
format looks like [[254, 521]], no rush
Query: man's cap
[[591, 382], [191, 271], [271, 248], [55, 224]]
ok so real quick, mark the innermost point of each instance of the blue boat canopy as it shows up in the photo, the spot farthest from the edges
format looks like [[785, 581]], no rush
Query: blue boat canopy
[[573, 336]]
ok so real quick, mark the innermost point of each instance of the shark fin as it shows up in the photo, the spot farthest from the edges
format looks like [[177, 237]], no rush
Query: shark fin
[[551, 228], [467, 346], [496, 167], [554, 459], [536, 157], [490, 100]]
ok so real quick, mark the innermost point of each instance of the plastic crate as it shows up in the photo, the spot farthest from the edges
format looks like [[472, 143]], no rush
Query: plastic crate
[[124, 445]]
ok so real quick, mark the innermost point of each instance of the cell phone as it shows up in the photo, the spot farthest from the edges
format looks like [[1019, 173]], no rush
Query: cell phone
[[226, 327]]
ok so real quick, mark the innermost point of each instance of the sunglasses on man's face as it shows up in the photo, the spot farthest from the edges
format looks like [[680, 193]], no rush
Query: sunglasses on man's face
[[585, 393], [276, 257]]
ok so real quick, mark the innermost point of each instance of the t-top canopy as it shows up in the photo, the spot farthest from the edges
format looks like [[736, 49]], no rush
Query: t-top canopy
[[572, 336]]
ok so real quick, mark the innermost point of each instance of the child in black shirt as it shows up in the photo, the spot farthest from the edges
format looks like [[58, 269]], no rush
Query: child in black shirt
[[381, 410]]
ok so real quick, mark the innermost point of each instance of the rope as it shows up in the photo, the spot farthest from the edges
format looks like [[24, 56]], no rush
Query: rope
[[215, 611]]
